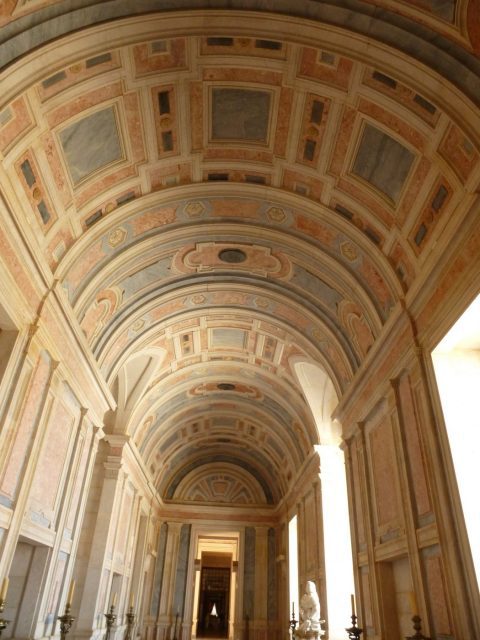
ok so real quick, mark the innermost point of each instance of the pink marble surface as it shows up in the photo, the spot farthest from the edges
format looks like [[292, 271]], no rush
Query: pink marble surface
[[63, 235], [87, 100], [403, 95], [182, 170], [96, 187], [152, 220], [52, 459], [135, 130], [401, 260], [166, 122], [25, 428], [147, 61], [56, 167], [342, 142], [234, 74], [315, 185], [196, 115], [410, 200], [453, 275], [360, 334], [37, 192], [18, 270], [311, 131], [364, 194], [384, 472], [20, 123], [76, 73], [429, 216], [437, 595], [390, 120], [459, 152], [283, 121], [96, 317], [337, 75], [415, 449], [79, 480], [357, 483], [242, 46]]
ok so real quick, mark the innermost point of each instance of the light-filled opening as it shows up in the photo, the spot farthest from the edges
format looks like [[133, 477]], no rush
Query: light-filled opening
[[293, 566], [336, 532], [456, 362], [322, 399]]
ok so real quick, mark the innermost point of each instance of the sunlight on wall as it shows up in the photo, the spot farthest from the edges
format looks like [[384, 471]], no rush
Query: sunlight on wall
[[456, 362], [293, 565], [322, 399], [336, 531]]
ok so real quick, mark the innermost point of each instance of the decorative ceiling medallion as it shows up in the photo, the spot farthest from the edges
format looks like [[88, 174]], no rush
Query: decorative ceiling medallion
[[262, 303], [276, 214], [138, 325], [232, 256], [117, 237], [195, 209], [349, 251], [225, 386]]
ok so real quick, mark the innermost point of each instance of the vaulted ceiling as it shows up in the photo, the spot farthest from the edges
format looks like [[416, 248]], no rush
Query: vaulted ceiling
[[224, 194]]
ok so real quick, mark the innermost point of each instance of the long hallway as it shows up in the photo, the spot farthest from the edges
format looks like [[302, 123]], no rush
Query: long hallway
[[234, 240]]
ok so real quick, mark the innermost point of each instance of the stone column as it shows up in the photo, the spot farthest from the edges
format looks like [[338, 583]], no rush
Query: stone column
[[261, 583], [166, 615], [92, 604]]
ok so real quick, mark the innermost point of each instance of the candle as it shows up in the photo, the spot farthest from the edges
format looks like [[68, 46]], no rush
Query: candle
[[413, 603], [352, 602], [3, 592], [132, 600], [114, 599], [70, 592]]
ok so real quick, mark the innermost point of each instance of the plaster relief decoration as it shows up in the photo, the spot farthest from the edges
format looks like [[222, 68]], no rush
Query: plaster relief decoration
[[91, 143], [210, 256], [383, 162], [240, 114], [222, 484]]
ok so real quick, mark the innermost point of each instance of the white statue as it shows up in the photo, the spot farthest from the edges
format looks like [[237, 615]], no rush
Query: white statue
[[310, 610]]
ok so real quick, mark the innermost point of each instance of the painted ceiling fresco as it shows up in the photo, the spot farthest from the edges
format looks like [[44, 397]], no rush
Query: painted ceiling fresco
[[219, 205]]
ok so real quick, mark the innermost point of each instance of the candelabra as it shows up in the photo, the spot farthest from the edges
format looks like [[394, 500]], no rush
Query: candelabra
[[293, 622], [130, 623], [354, 632], [66, 622], [3, 622], [110, 617], [417, 625]]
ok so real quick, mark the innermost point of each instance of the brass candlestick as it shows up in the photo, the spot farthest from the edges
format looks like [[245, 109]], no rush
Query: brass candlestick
[[130, 623], [3, 622], [354, 632], [417, 625], [66, 622], [110, 617], [293, 622]]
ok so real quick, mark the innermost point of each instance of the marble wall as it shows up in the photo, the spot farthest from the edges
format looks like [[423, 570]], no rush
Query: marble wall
[[402, 542]]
